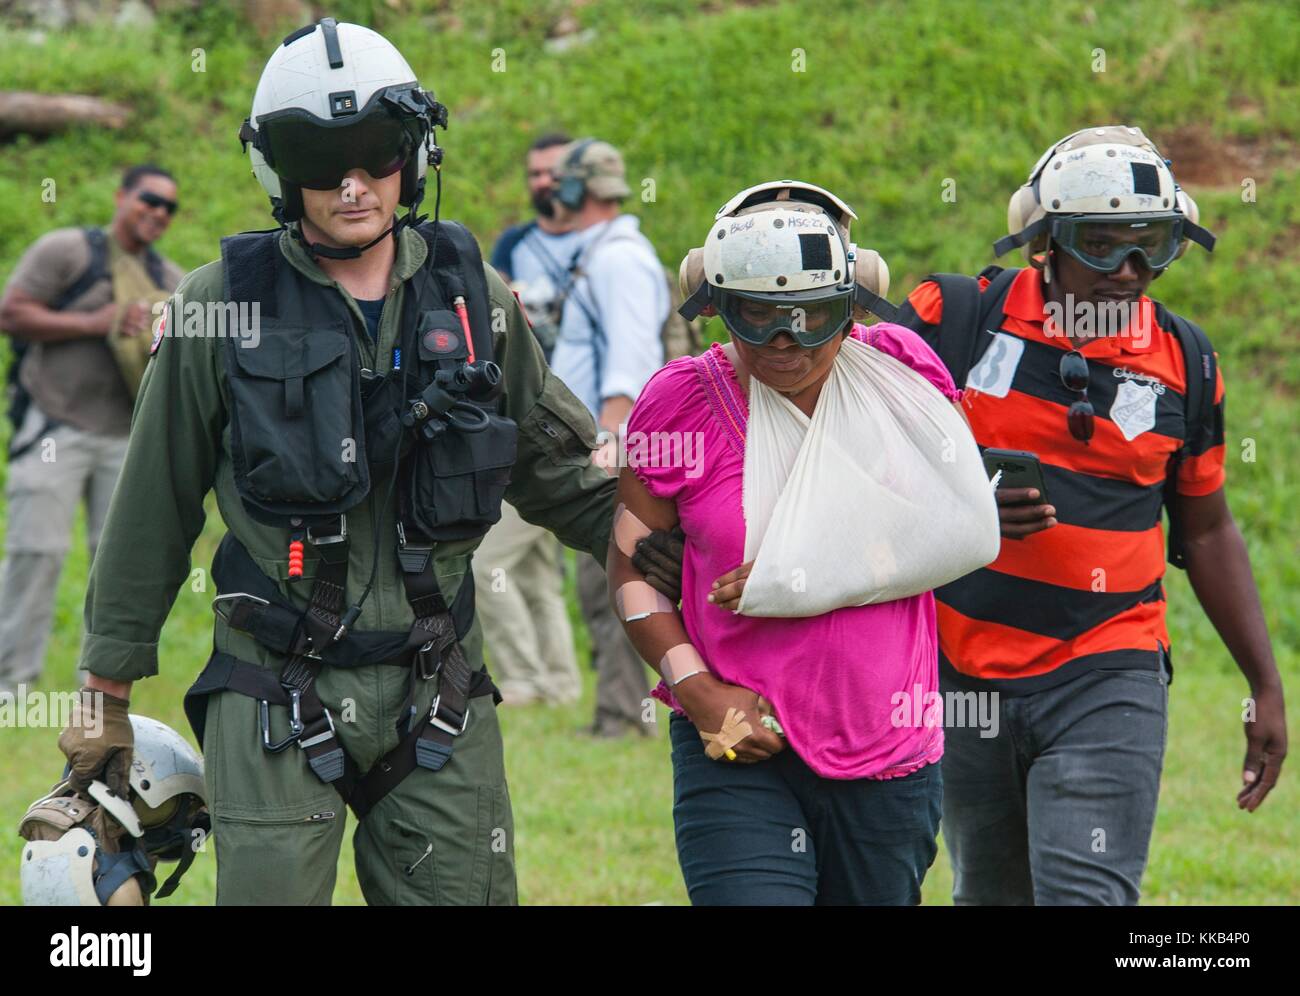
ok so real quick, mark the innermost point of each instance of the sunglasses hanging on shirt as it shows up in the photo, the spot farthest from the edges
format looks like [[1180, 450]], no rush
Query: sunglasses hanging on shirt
[[1073, 372]]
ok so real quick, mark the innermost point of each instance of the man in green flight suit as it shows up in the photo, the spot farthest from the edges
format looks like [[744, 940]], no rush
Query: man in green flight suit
[[378, 397]]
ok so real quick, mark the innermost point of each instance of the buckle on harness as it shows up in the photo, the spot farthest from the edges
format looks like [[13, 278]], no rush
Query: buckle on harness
[[329, 766], [444, 726], [413, 559], [295, 722], [217, 608], [338, 537], [321, 737], [422, 655], [429, 753]]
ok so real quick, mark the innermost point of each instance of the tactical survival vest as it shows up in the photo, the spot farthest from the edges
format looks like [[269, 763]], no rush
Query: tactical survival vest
[[313, 432]]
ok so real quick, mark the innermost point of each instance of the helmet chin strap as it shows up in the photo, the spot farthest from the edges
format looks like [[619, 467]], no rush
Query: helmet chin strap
[[412, 217], [348, 252]]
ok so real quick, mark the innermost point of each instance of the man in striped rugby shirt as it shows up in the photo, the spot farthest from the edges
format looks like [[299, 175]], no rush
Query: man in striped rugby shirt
[[1122, 402]]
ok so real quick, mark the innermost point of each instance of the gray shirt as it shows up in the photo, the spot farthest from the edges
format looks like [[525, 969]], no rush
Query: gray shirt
[[76, 381]]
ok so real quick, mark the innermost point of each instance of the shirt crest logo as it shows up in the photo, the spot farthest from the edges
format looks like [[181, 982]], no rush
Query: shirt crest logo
[[1134, 409]]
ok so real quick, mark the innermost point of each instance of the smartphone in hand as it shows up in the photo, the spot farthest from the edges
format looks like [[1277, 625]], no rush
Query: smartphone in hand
[[1019, 468]]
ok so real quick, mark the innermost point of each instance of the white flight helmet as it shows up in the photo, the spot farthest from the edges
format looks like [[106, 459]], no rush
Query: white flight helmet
[[785, 243], [75, 855], [334, 97], [1112, 174]]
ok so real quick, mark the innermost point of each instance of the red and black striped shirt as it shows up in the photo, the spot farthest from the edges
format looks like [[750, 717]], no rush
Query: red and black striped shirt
[[1087, 592]]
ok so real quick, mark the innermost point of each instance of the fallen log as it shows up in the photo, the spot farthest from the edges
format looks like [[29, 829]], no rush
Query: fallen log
[[47, 113]]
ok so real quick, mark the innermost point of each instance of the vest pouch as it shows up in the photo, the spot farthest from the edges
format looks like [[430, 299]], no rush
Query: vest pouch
[[386, 438], [297, 432], [458, 479]]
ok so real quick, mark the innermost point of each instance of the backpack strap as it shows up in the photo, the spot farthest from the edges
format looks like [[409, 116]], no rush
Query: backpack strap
[[1201, 369], [992, 311], [153, 264], [95, 271], [959, 339], [19, 400], [578, 268]]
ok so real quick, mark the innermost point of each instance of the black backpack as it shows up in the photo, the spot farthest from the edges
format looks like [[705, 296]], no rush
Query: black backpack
[[95, 271], [968, 312]]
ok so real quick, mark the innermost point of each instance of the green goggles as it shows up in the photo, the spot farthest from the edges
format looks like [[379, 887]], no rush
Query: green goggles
[[756, 319], [1104, 242]]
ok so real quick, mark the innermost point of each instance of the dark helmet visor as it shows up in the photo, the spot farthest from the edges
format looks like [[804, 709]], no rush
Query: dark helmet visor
[[316, 154]]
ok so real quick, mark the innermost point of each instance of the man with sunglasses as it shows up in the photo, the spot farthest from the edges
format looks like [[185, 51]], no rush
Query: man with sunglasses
[[1121, 402], [359, 446], [69, 402], [519, 568]]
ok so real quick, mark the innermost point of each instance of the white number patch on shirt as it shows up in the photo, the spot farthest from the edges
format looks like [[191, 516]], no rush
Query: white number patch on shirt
[[993, 373]]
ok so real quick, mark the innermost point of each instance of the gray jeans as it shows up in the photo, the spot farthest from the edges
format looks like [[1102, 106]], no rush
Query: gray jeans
[[1057, 809]]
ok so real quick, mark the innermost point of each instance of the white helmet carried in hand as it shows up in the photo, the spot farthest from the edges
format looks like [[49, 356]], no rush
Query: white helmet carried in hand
[[1092, 183], [102, 851], [778, 258], [332, 98]]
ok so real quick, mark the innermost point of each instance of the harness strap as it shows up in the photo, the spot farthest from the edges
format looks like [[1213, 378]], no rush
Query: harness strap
[[322, 626], [254, 605], [438, 651], [361, 793]]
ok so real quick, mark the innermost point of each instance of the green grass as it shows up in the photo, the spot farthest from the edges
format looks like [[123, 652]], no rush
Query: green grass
[[896, 97]]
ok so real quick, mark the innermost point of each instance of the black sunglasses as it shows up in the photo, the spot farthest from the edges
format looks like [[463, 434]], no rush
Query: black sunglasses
[[156, 201], [1073, 372]]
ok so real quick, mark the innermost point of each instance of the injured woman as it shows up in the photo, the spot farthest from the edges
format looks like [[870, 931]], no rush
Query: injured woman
[[836, 483]]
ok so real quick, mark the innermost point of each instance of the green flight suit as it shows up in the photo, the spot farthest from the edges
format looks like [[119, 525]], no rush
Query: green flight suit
[[440, 837]]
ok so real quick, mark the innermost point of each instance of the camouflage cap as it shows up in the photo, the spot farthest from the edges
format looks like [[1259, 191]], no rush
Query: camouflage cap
[[598, 165]]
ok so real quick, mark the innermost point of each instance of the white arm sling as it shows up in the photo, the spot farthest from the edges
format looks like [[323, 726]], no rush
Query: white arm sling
[[879, 496]]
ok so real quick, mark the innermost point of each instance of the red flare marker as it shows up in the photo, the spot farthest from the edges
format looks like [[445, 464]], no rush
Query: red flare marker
[[463, 314]]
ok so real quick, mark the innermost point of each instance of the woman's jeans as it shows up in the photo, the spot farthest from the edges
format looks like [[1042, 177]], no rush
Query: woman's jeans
[[777, 834]]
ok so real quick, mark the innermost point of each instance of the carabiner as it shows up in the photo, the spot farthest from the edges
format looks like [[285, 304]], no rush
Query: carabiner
[[295, 722]]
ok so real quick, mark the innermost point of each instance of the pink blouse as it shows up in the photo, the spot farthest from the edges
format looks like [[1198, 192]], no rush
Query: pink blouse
[[855, 689]]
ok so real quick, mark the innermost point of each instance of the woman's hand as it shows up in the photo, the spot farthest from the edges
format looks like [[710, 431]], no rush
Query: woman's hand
[[728, 588], [706, 701]]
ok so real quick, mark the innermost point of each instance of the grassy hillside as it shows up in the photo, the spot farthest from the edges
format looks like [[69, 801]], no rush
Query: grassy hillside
[[894, 98]]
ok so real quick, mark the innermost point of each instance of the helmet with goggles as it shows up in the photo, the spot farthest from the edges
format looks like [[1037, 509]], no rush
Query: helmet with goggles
[[778, 259], [1102, 195], [333, 98], [104, 850]]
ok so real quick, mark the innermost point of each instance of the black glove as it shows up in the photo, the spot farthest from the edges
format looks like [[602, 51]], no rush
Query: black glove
[[659, 557]]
